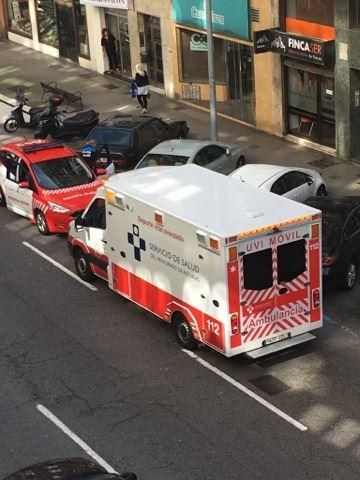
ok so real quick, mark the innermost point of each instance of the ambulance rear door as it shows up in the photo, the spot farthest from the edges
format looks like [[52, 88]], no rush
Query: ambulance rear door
[[274, 286]]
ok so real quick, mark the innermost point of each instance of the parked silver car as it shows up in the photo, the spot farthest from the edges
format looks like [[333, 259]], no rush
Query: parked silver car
[[216, 156], [295, 183]]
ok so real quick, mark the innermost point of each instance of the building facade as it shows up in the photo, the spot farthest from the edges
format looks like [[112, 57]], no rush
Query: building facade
[[347, 22], [72, 29]]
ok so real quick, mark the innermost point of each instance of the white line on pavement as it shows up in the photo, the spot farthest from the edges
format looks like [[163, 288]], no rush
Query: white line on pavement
[[245, 390], [61, 267], [84, 446]]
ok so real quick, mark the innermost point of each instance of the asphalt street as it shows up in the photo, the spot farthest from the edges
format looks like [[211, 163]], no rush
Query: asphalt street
[[115, 376]]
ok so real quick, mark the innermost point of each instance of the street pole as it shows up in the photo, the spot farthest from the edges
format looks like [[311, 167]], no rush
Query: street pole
[[211, 68]]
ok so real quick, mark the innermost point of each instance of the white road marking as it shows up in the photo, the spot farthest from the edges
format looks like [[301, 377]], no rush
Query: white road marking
[[84, 446], [59, 266], [248, 392]]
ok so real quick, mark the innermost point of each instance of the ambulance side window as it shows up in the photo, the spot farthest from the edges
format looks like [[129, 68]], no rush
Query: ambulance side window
[[258, 270], [291, 260], [96, 215]]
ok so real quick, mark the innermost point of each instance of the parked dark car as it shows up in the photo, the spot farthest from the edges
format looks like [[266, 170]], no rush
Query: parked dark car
[[130, 137], [68, 469], [340, 239]]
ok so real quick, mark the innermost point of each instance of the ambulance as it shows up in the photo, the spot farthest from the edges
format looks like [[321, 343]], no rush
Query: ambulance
[[226, 264]]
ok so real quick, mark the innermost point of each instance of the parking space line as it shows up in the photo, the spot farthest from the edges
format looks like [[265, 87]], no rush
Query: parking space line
[[60, 267], [84, 446], [248, 392]]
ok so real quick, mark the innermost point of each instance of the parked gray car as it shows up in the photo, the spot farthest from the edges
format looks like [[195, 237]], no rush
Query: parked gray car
[[216, 156]]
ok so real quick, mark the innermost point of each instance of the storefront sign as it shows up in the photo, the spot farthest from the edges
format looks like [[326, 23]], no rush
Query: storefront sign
[[228, 17], [124, 4], [301, 48], [198, 42]]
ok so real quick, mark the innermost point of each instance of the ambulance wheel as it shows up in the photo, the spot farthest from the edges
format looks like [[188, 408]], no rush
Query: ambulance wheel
[[82, 265], [183, 332], [41, 223], [2, 199], [350, 276]]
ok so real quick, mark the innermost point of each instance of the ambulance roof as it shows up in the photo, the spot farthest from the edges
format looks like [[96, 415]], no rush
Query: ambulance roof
[[211, 201]]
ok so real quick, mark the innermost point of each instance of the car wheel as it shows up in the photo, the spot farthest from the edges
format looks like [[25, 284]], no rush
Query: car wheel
[[2, 199], [321, 191], [82, 266], [183, 332], [41, 223], [350, 276], [11, 125], [240, 161]]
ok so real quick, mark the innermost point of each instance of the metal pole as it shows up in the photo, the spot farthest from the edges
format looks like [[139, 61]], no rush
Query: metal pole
[[211, 68]]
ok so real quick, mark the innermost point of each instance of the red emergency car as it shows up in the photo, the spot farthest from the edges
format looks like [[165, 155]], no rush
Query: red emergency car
[[46, 182]]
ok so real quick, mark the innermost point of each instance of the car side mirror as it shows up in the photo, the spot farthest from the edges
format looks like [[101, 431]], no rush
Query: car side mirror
[[80, 223], [100, 171], [24, 185], [227, 152]]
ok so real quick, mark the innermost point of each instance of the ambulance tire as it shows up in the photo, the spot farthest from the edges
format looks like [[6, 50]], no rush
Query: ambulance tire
[[82, 265], [350, 275], [41, 223], [2, 199], [183, 332]]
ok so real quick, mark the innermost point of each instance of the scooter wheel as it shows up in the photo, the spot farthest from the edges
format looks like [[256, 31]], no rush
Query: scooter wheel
[[11, 125]]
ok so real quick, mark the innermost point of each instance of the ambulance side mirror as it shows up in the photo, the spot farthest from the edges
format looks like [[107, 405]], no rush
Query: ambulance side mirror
[[80, 223]]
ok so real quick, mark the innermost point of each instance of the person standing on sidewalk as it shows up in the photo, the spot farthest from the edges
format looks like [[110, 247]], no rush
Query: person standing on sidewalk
[[142, 83], [108, 44]]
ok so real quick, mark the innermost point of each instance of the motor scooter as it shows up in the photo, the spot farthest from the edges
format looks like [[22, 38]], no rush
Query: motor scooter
[[16, 119], [78, 125]]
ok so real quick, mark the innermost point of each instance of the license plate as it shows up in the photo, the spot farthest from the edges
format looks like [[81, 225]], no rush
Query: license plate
[[275, 339]]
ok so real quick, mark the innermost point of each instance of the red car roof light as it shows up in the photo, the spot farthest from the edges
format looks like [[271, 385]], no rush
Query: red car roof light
[[42, 146]]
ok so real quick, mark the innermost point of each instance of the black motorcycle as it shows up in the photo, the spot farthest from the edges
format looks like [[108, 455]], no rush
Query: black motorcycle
[[16, 119], [78, 125]]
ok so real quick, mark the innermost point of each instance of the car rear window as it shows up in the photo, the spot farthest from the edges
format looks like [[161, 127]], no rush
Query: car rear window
[[159, 159], [111, 136]]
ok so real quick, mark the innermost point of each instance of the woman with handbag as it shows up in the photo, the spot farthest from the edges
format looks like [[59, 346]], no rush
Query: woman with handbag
[[142, 83]]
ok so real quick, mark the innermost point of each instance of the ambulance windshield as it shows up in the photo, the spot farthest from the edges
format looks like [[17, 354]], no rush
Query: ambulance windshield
[[62, 173]]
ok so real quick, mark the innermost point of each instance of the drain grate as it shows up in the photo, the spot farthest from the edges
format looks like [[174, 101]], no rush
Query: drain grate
[[110, 86], [334, 177], [56, 66], [178, 108], [269, 384], [253, 147], [323, 163]]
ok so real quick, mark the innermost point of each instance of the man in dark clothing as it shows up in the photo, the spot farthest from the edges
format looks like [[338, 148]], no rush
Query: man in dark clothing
[[108, 44], [93, 153]]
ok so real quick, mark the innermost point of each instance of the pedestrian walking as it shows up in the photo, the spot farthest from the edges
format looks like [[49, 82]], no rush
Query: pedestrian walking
[[142, 83], [108, 44]]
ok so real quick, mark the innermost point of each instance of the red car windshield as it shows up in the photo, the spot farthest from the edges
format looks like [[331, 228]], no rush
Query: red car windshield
[[62, 173]]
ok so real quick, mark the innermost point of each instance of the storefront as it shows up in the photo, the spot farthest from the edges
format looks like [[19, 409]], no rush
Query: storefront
[[57, 27], [234, 70], [116, 21]]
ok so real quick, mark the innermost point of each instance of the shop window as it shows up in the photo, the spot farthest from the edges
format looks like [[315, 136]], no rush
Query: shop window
[[355, 14], [194, 57], [46, 21], [315, 11], [19, 17], [302, 90], [82, 31]]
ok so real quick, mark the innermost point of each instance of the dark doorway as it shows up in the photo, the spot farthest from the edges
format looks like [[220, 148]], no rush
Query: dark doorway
[[154, 49], [66, 29]]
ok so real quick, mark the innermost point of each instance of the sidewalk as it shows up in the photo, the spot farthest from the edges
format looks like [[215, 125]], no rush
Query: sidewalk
[[26, 67]]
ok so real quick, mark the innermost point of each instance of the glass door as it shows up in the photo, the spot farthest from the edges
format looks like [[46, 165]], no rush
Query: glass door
[[117, 24], [154, 47], [240, 81], [66, 29]]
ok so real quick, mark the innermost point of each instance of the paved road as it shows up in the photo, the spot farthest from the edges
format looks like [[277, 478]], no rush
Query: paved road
[[116, 377]]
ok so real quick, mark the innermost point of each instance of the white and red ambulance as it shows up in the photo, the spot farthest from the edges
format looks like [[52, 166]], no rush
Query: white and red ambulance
[[225, 263]]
